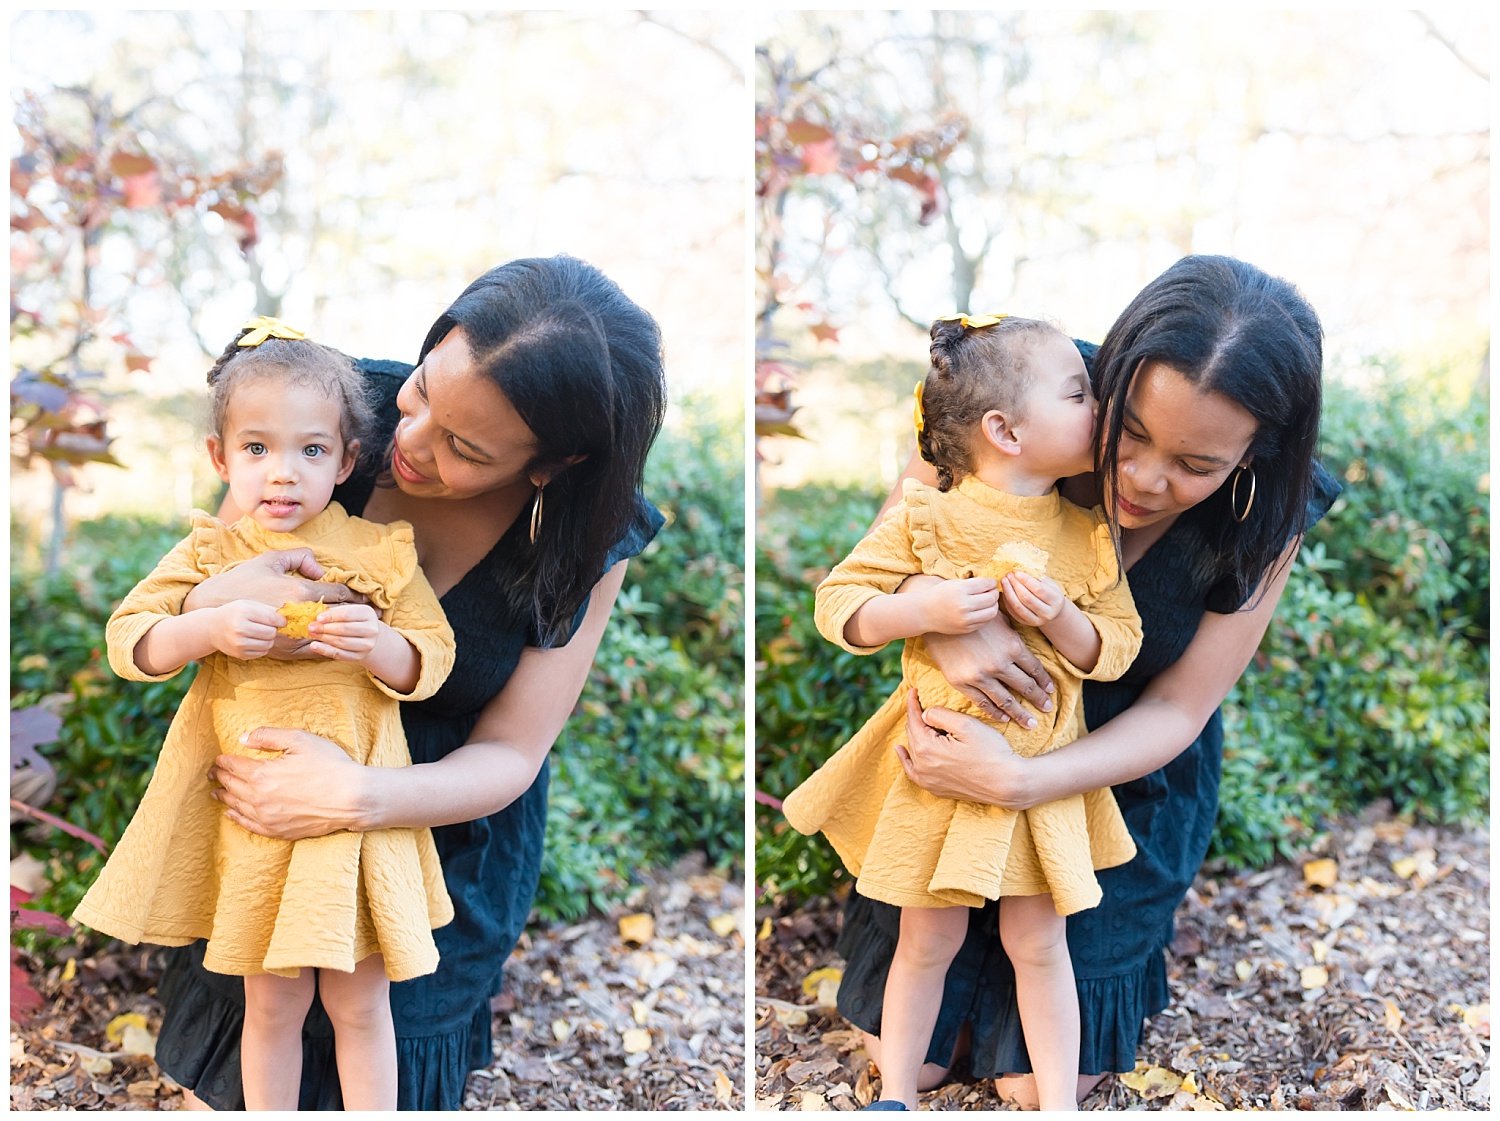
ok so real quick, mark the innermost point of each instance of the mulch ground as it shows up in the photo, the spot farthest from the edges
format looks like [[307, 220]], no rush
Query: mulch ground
[[1356, 978], [641, 1009]]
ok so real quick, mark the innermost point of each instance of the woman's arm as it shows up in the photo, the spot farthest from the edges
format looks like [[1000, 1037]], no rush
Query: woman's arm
[[314, 788], [973, 761]]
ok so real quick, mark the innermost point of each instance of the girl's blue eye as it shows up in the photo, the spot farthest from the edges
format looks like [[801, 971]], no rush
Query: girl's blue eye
[[256, 449], [312, 451]]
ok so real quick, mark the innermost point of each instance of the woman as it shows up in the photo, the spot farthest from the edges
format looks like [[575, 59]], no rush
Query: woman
[[515, 449], [1210, 393]]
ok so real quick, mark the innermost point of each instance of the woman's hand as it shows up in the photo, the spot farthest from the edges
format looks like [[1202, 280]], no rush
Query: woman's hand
[[287, 576], [310, 790], [990, 666], [957, 756]]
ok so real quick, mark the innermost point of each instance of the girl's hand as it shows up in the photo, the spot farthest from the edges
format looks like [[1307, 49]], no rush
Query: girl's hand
[[287, 576], [990, 667], [1032, 601], [953, 755], [311, 790], [244, 629], [960, 606], [345, 633]]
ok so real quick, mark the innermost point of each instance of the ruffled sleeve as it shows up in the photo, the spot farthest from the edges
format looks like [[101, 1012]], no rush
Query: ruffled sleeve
[[876, 566], [159, 596], [389, 575], [1110, 607]]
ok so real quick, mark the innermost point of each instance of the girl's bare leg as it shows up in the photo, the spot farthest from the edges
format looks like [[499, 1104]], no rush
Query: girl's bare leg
[[271, 1042], [930, 937], [1035, 939], [364, 1035], [192, 1101], [931, 1074]]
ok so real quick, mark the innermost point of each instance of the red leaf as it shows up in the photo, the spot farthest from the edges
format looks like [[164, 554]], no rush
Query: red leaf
[[805, 132], [126, 164], [24, 1000], [40, 920], [825, 332], [142, 190], [136, 362], [821, 157]]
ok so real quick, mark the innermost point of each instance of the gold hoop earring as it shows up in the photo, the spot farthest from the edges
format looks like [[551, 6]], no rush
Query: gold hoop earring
[[536, 513], [1234, 495]]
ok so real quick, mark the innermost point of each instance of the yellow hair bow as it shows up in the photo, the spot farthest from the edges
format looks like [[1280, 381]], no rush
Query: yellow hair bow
[[974, 321], [263, 327], [917, 411]]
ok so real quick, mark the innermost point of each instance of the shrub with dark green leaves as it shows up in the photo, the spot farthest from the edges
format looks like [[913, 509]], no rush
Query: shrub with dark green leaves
[[1370, 683]]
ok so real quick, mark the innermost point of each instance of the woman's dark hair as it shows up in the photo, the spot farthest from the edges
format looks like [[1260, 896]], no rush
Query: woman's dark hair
[[305, 363], [973, 370], [1228, 328], [582, 366]]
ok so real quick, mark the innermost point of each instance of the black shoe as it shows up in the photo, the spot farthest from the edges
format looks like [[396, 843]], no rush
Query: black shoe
[[887, 1103]]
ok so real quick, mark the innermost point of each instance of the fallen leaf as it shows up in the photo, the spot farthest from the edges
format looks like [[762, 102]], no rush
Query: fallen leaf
[[1319, 950], [1398, 1099], [1314, 977], [724, 925], [145, 1088], [638, 928], [1478, 1018], [97, 1065], [723, 1088], [764, 932], [639, 1010], [116, 1027], [70, 969], [1320, 873], [1152, 1081], [1392, 1016], [561, 1029], [1406, 867], [813, 1103], [636, 1040], [1244, 970], [811, 982]]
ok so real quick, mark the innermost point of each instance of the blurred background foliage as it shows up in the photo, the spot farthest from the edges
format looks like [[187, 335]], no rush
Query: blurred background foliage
[[910, 164], [174, 173]]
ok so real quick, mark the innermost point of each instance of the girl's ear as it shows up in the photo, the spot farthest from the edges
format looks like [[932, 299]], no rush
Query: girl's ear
[[216, 457], [351, 454], [999, 433]]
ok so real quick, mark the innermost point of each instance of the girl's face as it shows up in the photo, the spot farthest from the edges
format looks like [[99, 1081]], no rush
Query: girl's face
[[281, 451], [1177, 446], [1057, 423], [459, 435]]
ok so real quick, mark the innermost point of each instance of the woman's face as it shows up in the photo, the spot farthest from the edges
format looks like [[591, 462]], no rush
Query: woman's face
[[458, 436], [1177, 446]]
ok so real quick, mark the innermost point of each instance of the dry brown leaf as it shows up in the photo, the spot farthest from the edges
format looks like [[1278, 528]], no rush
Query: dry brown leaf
[[145, 1088], [723, 1088], [1392, 1016], [1320, 873], [812, 1103], [638, 928]]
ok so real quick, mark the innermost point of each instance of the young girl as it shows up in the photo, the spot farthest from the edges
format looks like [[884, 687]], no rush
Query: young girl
[[358, 907], [1005, 412]]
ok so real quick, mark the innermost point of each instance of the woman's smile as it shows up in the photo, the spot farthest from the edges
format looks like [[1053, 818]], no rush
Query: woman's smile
[[402, 466]]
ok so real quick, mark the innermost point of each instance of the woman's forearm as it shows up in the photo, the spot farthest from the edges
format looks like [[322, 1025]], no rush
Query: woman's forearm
[[1145, 737], [474, 781]]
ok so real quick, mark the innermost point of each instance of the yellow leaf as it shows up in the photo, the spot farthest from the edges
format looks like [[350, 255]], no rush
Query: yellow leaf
[[811, 982], [1392, 1016], [97, 1065], [764, 932], [1244, 970], [1406, 867], [561, 1029], [1320, 873], [1320, 950], [70, 969], [1478, 1018], [724, 925], [116, 1027], [1189, 1083], [638, 928], [791, 1016], [1152, 1081], [639, 1011], [137, 1041], [636, 1040], [1314, 977], [723, 1088]]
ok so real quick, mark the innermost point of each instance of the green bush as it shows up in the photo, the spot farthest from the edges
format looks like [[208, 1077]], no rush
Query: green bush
[[649, 768], [1370, 683]]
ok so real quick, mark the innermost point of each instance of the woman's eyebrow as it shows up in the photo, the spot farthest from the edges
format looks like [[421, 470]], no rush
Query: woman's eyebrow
[[1214, 460]]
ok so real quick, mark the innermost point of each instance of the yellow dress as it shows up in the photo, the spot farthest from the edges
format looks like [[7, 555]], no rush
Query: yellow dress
[[183, 871], [911, 848]]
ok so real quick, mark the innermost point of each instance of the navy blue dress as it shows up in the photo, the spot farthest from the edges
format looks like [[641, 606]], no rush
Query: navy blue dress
[[491, 866], [1118, 948]]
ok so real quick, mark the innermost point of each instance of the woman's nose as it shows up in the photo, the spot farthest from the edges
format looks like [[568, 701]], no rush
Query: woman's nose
[[1147, 478]]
